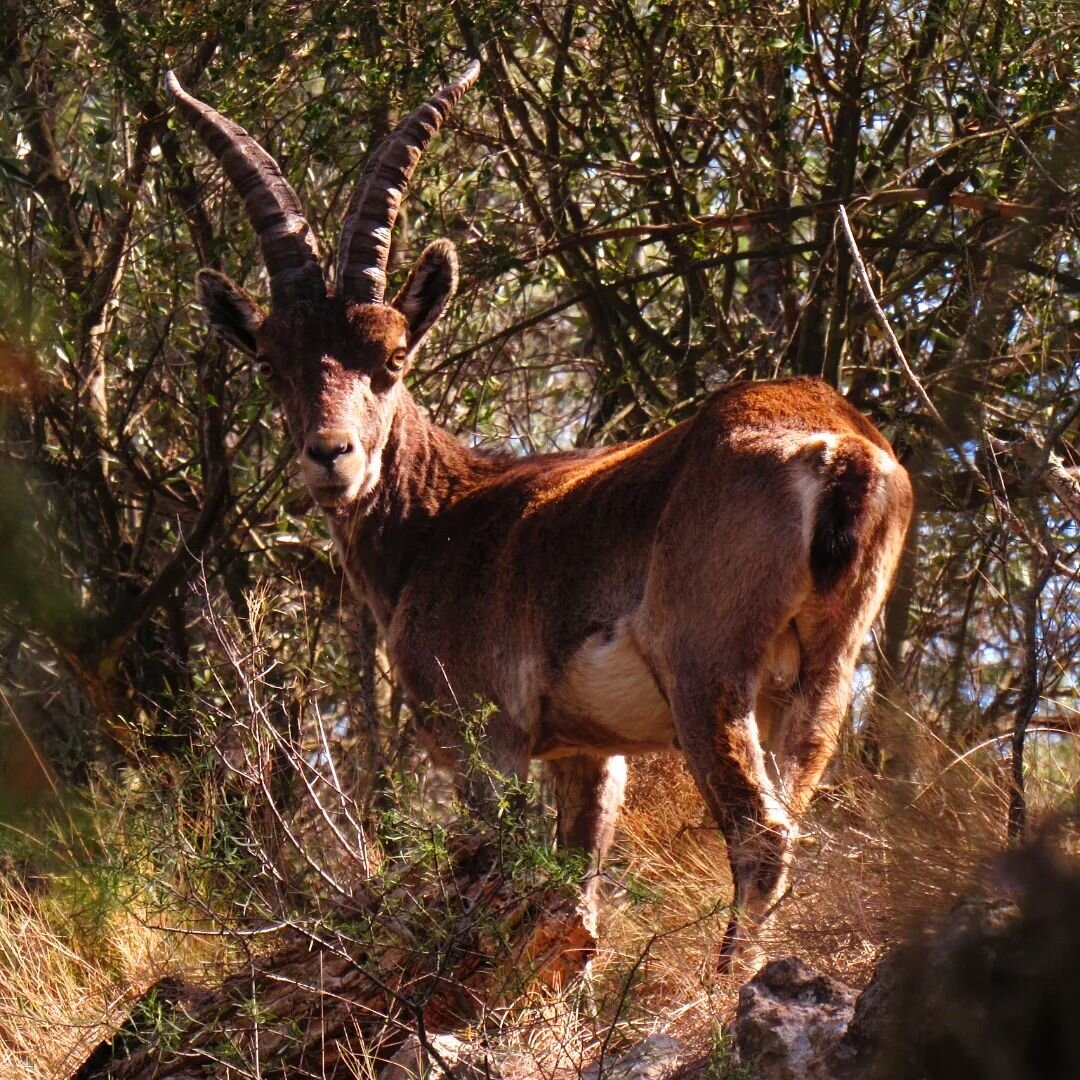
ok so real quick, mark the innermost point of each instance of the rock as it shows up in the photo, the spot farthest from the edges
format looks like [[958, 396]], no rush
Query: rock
[[989, 991], [790, 1019], [657, 1057], [465, 1061], [870, 1030]]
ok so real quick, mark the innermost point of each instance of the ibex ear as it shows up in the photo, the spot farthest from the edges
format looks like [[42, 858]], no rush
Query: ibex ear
[[431, 283], [232, 313]]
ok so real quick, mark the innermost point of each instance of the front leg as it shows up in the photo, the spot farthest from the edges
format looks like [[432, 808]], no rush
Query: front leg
[[544, 934], [485, 752], [588, 796]]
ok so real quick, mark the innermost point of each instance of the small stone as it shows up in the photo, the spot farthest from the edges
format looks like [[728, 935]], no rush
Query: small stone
[[654, 1059], [465, 1061]]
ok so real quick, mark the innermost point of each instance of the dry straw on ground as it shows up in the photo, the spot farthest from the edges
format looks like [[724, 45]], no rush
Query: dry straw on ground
[[876, 856]]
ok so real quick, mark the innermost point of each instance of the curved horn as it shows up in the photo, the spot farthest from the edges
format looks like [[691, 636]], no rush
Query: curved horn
[[365, 237], [289, 247]]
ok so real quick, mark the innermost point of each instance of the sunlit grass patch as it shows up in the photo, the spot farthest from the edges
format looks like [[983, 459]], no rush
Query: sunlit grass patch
[[69, 975]]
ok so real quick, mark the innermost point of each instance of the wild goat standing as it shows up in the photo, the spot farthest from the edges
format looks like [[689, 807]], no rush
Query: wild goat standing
[[704, 590]]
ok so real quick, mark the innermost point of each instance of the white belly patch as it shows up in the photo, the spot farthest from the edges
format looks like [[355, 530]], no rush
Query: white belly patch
[[607, 701]]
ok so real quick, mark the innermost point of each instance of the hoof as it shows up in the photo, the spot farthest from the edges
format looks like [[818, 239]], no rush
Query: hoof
[[742, 962], [739, 956]]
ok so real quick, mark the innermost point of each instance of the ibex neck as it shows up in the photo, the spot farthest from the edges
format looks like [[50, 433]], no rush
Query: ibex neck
[[424, 471]]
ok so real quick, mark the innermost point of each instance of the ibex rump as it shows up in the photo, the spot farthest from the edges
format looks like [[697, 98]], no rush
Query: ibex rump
[[705, 590]]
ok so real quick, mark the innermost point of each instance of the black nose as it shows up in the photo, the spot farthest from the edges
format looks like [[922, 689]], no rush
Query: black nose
[[327, 451]]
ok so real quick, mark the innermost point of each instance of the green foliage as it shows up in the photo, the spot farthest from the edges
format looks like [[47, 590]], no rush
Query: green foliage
[[144, 479], [721, 1063]]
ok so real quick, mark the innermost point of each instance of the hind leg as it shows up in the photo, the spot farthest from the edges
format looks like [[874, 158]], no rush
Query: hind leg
[[814, 709], [714, 621], [588, 795], [815, 714], [780, 672]]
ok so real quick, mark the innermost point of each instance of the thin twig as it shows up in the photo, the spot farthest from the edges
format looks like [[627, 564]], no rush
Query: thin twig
[[905, 368], [919, 390], [42, 764], [1026, 705]]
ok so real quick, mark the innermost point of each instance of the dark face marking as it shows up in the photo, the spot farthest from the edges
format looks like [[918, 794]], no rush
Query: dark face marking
[[336, 366], [336, 370]]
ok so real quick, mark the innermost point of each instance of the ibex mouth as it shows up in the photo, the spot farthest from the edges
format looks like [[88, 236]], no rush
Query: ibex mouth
[[336, 488], [331, 496]]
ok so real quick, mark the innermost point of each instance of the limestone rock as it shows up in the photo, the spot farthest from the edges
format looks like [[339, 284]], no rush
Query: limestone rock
[[452, 1057], [654, 1059], [789, 1020]]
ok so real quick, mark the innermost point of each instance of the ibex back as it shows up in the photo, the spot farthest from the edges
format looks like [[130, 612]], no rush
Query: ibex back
[[705, 590]]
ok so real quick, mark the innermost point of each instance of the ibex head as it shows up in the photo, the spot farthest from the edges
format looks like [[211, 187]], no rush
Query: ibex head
[[334, 355]]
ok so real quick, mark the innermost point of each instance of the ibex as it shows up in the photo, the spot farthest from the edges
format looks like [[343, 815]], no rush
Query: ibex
[[705, 590]]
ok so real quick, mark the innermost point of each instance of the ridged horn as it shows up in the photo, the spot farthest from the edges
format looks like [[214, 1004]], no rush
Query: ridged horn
[[290, 250], [364, 247]]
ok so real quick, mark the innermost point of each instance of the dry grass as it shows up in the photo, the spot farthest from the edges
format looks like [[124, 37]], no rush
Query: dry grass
[[875, 858], [60, 994], [83, 934]]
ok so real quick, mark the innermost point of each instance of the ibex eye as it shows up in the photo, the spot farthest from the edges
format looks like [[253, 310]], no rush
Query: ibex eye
[[396, 360]]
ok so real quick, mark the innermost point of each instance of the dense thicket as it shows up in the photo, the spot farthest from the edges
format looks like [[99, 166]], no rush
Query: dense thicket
[[645, 198]]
